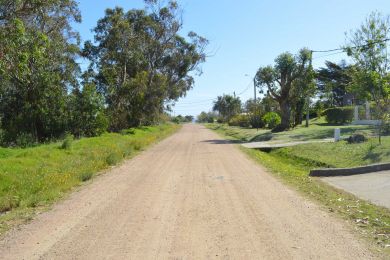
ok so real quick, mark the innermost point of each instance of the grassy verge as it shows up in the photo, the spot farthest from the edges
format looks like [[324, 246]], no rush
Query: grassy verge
[[33, 178], [318, 129], [292, 165]]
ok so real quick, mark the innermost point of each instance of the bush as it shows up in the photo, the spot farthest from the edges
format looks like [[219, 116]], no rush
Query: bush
[[271, 120], [256, 121], [239, 120], [279, 128], [25, 140], [338, 115], [67, 143], [220, 120], [357, 138]]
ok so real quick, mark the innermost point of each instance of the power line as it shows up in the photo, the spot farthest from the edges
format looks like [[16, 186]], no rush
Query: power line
[[246, 89], [196, 102], [354, 47], [327, 55]]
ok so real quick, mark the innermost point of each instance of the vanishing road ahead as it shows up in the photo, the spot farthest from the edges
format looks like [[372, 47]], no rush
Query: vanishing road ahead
[[192, 196]]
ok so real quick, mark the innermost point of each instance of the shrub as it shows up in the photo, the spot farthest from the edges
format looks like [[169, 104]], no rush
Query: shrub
[[239, 120], [357, 138], [129, 131], [113, 158], [256, 121], [67, 143], [279, 128], [338, 115], [271, 120], [25, 140]]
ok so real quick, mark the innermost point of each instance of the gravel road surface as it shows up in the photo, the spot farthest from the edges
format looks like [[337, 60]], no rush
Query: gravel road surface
[[192, 196]]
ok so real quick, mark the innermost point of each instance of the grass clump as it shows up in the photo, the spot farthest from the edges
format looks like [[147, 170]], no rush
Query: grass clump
[[113, 158], [85, 176], [8, 202], [67, 143]]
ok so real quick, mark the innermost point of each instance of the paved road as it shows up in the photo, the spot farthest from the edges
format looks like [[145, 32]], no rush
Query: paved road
[[192, 196], [374, 187]]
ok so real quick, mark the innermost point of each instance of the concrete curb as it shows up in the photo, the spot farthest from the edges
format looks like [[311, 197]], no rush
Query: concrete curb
[[349, 171]]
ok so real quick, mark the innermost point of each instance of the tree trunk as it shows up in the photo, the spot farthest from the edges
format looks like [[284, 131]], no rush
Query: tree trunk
[[285, 109], [307, 112]]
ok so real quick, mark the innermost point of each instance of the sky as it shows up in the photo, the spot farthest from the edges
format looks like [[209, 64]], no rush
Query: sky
[[247, 34]]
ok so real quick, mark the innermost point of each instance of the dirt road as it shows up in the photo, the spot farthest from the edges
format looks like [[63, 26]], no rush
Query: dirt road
[[192, 196]]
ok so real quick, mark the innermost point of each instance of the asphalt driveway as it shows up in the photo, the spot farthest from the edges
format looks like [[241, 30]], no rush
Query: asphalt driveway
[[374, 187]]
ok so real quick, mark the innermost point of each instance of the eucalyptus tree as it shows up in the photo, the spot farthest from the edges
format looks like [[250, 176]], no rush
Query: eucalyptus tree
[[279, 80], [38, 50], [141, 62]]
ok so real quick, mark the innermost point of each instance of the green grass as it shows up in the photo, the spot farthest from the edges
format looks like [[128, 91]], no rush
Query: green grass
[[292, 166], [33, 178], [340, 154], [318, 130]]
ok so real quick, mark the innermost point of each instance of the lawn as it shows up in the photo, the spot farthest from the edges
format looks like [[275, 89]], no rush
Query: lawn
[[32, 178], [329, 155], [292, 166], [318, 129]]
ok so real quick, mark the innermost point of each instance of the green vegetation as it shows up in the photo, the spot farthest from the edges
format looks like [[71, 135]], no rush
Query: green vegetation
[[288, 83], [204, 117], [240, 120], [35, 177], [318, 129], [271, 120], [182, 119], [292, 166], [338, 115], [139, 65], [227, 106]]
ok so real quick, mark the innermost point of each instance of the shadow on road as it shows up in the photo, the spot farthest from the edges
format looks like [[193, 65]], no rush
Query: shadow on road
[[215, 141]]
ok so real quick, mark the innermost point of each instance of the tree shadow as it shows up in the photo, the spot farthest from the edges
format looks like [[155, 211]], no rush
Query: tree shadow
[[262, 137], [216, 141], [372, 157], [329, 124]]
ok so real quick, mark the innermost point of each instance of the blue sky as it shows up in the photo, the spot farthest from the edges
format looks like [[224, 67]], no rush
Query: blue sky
[[247, 34]]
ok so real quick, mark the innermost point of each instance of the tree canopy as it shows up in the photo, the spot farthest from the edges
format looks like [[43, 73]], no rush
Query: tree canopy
[[279, 80], [141, 62], [227, 106]]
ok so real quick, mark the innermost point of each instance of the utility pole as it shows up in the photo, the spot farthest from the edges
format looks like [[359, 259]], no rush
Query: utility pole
[[254, 87], [308, 97]]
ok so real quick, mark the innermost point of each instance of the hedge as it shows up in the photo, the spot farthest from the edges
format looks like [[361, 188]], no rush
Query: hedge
[[338, 115]]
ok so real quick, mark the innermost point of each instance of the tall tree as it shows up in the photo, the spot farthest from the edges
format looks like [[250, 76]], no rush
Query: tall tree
[[142, 62], [227, 106], [368, 46], [38, 49], [333, 81], [278, 80]]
